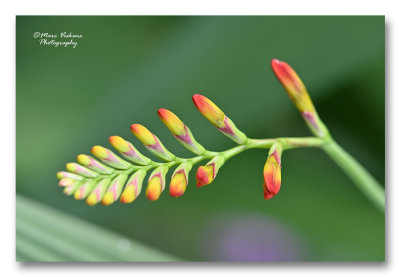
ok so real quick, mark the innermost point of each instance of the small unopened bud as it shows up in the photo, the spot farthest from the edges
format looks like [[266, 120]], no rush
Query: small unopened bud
[[272, 172], [69, 190], [109, 158], [217, 117], [180, 131], [66, 182], [128, 150], [179, 179], [207, 173], [68, 175], [98, 192], [94, 165], [114, 191], [151, 142], [133, 187], [156, 183], [84, 190], [81, 170], [298, 94]]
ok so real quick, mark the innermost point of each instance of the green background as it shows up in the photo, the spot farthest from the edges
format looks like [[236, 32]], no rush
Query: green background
[[125, 68]]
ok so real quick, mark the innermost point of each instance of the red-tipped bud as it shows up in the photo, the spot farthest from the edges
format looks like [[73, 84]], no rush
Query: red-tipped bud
[[217, 117], [207, 173], [151, 142], [179, 180], [272, 172], [298, 94], [180, 131], [156, 183]]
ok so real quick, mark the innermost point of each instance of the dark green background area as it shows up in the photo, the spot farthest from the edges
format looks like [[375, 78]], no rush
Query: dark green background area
[[125, 68]]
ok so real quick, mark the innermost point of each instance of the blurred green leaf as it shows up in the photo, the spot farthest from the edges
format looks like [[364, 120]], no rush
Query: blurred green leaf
[[45, 234]]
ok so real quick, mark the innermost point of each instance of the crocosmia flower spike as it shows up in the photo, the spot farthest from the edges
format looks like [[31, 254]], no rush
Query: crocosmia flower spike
[[207, 173], [180, 131], [298, 94], [151, 142], [128, 150], [133, 187], [272, 172], [114, 191], [217, 117], [93, 164], [109, 158], [179, 179], [156, 183], [97, 194]]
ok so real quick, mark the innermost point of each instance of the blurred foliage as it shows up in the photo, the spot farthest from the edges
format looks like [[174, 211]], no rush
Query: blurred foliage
[[125, 68], [44, 234]]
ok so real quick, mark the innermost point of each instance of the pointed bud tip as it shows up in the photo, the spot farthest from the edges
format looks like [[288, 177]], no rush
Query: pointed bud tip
[[174, 124], [99, 151], [143, 134], [91, 200], [288, 78], [128, 195], [108, 199], [209, 110], [162, 112], [60, 175], [83, 159], [119, 143]]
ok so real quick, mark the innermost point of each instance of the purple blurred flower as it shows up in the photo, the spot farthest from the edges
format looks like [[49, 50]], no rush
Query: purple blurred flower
[[252, 238]]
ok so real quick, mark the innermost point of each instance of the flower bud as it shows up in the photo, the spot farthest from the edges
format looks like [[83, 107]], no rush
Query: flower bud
[[128, 150], [207, 173], [94, 165], [133, 187], [272, 172], [66, 182], [217, 117], [180, 131], [179, 179], [81, 170], [98, 192], [69, 190], [151, 142], [298, 94], [85, 189], [109, 158], [114, 191], [68, 175], [156, 183]]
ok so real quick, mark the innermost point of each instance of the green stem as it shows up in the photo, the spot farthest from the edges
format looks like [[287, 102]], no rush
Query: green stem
[[360, 176]]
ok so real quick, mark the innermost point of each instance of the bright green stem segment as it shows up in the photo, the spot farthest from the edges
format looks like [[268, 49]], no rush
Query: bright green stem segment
[[360, 176]]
